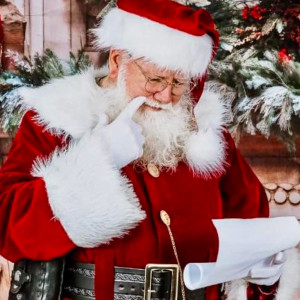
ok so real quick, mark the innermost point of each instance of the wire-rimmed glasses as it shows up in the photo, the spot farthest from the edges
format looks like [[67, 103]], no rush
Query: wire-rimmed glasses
[[157, 84]]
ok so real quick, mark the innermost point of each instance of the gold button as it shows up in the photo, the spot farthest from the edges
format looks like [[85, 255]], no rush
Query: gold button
[[165, 217], [153, 170]]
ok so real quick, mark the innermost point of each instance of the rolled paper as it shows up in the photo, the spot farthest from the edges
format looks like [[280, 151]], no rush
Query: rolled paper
[[243, 243]]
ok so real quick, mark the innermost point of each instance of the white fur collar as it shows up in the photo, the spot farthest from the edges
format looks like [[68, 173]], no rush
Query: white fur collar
[[67, 105], [71, 106]]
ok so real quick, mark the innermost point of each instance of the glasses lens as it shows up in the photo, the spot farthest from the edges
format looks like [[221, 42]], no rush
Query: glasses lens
[[154, 85]]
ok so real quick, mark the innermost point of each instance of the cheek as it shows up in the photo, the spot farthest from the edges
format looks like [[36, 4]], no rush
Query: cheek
[[135, 86], [133, 89], [175, 100]]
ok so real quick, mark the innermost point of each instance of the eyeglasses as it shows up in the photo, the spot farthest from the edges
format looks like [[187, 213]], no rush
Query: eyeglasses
[[156, 84]]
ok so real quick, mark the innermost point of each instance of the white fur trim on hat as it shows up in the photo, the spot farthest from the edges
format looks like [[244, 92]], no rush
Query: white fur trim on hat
[[87, 194], [166, 47]]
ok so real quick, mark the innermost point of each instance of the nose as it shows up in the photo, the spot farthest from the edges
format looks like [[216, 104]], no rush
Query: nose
[[165, 96]]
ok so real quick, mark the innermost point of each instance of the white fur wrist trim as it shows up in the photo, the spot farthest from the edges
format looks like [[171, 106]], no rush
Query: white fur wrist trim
[[87, 193]]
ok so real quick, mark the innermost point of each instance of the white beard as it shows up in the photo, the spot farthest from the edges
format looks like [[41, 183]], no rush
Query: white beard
[[166, 131]]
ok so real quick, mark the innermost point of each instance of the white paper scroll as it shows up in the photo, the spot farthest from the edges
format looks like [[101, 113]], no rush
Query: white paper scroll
[[242, 244]]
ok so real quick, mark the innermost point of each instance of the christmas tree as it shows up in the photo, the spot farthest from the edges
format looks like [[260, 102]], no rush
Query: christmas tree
[[258, 65]]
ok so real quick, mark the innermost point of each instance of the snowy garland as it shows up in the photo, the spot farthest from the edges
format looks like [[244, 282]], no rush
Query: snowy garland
[[258, 66], [264, 93]]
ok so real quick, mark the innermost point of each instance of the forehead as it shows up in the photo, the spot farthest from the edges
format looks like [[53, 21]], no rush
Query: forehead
[[153, 69]]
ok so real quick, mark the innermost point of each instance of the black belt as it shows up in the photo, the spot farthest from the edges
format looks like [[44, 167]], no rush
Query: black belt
[[129, 283]]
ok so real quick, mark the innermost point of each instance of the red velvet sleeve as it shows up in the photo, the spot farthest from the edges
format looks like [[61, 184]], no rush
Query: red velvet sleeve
[[27, 225], [242, 193]]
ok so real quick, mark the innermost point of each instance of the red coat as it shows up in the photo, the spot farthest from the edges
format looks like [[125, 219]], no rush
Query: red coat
[[28, 228]]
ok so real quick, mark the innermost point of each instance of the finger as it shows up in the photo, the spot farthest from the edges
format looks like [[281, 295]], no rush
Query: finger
[[280, 258], [140, 140], [137, 132], [136, 150], [132, 107], [140, 152], [136, 128], [265, 272]]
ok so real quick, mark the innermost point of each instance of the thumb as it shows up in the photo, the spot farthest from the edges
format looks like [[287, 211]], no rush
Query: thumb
[[280, 258], [265, 272], [132, 107]]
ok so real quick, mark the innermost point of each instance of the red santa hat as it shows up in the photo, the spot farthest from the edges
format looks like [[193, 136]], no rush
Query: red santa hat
[[169, 34]]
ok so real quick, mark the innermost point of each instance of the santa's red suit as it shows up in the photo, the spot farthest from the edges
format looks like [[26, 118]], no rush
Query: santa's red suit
[[61, 192]]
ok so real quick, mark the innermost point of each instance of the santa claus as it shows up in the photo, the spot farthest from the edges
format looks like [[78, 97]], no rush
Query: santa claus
[[123, 169]]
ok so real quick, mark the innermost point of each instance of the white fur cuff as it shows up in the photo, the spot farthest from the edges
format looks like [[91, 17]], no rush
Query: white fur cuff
[[87, 194]]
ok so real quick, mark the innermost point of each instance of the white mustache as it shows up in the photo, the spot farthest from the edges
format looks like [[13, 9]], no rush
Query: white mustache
[[155, 104]]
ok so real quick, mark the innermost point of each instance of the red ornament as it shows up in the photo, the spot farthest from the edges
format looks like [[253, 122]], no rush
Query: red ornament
[[245, 13], [283, 56], [255, 13]]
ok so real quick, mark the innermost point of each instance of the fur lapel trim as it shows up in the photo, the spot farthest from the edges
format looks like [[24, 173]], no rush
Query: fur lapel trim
[[67, 105], [72, 105]]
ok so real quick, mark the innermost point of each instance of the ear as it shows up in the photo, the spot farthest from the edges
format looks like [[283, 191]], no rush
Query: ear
[[114, 63]]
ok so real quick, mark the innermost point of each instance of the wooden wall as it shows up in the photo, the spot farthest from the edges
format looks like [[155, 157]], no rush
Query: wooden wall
[[56, 24], [60, 25]]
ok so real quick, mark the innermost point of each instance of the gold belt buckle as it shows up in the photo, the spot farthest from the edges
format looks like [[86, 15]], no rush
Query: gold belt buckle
[[149, 275]]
